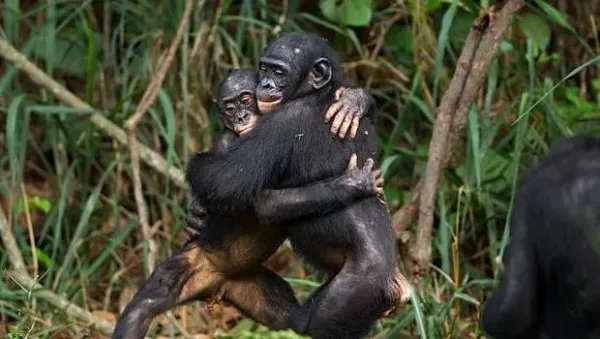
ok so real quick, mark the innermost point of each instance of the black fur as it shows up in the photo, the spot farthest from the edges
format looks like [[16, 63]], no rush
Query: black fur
[[222, 258], [551, 284], [292, 147]]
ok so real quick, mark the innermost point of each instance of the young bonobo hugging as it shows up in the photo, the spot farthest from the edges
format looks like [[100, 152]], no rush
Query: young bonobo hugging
[[240, 112], [291, 147], [222, 259], [550, 287]]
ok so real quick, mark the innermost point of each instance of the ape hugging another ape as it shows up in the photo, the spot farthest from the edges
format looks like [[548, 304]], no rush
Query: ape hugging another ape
[[283, 175], [551, 284], [289, 148], [236, 233]]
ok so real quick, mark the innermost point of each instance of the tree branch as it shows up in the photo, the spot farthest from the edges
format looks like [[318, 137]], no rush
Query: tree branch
[[131, 127], [153, 159], [8, 238], [21, 277], [480, 48]]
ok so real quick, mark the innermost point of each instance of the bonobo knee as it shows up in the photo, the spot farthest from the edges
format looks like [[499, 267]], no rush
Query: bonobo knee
[[370, 263]]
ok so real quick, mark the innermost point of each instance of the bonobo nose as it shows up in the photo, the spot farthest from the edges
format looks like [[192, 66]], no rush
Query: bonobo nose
[[266, 84], [242, 116]]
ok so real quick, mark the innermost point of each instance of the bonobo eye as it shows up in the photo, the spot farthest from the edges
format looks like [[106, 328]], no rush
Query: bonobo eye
[[230, 110], [247, 100], [278, 71]]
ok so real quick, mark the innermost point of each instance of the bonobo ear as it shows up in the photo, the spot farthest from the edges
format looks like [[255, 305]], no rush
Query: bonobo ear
[[321, 73]]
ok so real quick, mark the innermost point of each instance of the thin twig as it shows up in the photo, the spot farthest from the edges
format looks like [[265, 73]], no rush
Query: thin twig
[[131, 127], [8, 238], [480, 48], [21, 277], [150, 157]]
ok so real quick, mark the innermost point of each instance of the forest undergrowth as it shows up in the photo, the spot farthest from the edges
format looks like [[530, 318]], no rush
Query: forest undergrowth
[[67, 185]]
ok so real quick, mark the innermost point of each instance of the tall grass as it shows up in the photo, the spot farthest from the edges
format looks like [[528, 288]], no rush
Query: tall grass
[[68, 188]]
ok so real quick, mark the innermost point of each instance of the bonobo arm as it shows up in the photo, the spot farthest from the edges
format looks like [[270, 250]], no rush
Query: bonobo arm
[[196, 212], [224, 141], [233, 180], [512, 311], [352, 103], [280, 206]]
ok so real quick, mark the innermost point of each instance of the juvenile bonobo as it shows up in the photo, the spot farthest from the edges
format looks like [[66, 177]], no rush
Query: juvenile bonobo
[[550, 287], [222, 259], [239, 114], [290, 147], [239, 111]]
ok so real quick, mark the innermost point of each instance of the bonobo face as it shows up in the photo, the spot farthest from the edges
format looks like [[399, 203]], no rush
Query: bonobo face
[[291, 66], [236, 101]]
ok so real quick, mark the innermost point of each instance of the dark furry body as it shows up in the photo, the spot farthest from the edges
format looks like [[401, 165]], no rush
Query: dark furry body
[[222, 259], [551, 284], [291, 147]]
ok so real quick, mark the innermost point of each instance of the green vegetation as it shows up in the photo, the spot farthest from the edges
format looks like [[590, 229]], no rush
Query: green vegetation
[[67, 188]]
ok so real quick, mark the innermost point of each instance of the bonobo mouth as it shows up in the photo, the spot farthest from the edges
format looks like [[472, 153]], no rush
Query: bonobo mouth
[[248, 127], [269, 102]]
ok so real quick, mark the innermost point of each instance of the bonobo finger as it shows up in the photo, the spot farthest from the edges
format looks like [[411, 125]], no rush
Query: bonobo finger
[[379, 182], [337, 121], [332, 110], [368, 166], [354, 128], [379, 192], [345, 126], [339, 92], [352, 162]]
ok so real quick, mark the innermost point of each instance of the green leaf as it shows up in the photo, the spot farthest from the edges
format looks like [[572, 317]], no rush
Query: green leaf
[[43, 258], [39, 203], [348, 12], [536, 28], [555, 15]]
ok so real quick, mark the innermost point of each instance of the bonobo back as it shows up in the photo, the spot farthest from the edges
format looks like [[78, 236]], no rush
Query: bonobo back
[[316, 154], [551, 284]]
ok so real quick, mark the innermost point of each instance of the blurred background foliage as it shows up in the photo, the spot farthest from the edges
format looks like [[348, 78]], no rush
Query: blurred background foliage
[[71, 186]]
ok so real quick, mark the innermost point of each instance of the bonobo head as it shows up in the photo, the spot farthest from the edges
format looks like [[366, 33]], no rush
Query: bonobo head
[[294, 65], [236, 100]]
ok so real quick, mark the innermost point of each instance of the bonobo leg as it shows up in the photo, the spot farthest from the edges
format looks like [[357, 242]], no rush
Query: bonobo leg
[[511, 312], [194, 274], [182, 277], [349, 304], [263, 296]]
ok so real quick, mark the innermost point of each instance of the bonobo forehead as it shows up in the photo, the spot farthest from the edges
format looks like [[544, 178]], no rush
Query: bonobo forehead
[[297, 49], [238, 81]]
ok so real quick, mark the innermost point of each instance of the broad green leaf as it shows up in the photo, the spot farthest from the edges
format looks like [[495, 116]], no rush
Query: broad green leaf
[[348, 12], [535, 28]]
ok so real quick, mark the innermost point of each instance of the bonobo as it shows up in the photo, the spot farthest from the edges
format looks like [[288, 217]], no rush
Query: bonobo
[[239, 110], [222, 259], [290, 147], [550, 287], [239, 114]]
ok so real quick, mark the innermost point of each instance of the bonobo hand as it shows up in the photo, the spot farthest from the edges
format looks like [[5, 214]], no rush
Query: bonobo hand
[[367, 180], [349, 108], [195, 217]]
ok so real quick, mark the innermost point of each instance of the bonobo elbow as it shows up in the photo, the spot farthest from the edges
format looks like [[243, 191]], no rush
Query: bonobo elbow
[[265, 210], [502, 322]]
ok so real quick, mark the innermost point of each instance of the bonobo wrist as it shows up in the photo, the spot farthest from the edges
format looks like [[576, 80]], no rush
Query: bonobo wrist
[[346, 189]]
